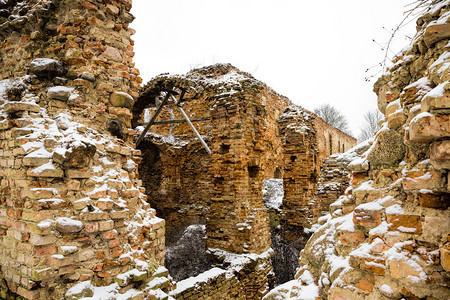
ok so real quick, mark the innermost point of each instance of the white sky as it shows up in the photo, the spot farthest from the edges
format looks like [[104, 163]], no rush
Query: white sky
[[313, 52]]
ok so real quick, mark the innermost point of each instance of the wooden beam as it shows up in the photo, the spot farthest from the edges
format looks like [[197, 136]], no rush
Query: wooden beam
[[152, 120], [177, 121], [191, 125]]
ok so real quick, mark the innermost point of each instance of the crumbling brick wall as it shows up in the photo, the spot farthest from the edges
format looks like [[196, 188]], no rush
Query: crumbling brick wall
[[331, 140], [301, 165], [222, 83], [177, 181], [71, 204]]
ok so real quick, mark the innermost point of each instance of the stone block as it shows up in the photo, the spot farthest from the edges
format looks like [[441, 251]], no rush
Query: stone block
[[396, 120], [90, 6], [105, 204], [351, 238], [111, 53], [13, 107], [436, 33], [400, 268], [409, 95], [435, 228], [29, 294], [437, 104], [61, 93], [34, 161], [405, 223], [366, 218], [40, 240], [78, 173], [121, 99], [67, 225], [46, 170], [434, 200], [78, 155], [39, 274], [106, 225], [388, 151], [366, 283], [426, 127], [117, 215], [440, 154], [36, 216], [445, 257], [94, 216], [422, 179], [5, 124], [47, 68], [392, 108], [371, 264]]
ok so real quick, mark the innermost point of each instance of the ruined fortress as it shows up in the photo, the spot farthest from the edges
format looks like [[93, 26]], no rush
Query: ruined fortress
[[84, 211]]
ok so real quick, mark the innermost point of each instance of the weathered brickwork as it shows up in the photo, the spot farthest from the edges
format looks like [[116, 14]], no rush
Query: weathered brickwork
[[177, 181], [240, 119], [300, 169], [72, 209], [387, 237]]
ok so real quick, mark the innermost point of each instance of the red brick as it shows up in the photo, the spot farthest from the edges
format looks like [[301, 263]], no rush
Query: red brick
[[92, 227], [109, 234], [45, 250]]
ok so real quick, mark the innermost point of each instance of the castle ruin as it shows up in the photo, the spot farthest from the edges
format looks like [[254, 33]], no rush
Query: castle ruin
[[83, 211]]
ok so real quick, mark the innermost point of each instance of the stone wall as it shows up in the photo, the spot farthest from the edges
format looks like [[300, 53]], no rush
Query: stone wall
[[72, 211], [334, 179], [387, 237]]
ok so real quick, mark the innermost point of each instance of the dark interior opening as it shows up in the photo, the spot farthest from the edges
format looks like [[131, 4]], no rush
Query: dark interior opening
[[253, 171]]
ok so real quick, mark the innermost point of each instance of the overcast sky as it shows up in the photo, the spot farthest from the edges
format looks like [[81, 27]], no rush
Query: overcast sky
[[313, 52]]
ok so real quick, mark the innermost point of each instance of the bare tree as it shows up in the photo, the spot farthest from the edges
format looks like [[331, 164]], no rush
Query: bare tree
[[412, 10], [332, 116], [370, 125]]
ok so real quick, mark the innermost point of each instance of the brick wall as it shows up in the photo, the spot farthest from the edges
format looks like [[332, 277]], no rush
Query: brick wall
[[71, 204], [239, 97]]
